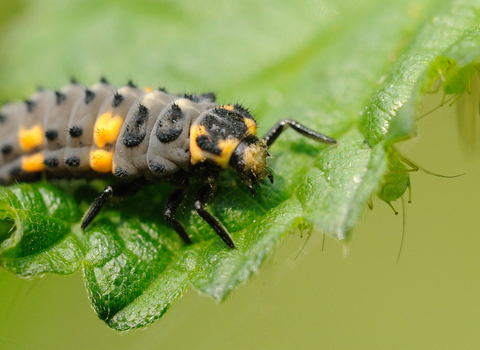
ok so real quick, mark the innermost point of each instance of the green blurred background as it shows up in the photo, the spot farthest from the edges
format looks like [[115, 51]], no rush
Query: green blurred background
[[302, 299]]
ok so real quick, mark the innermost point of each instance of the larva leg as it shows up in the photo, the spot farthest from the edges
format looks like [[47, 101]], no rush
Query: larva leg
[[278, 128], [118, 190], [172, 205], [201, 198]]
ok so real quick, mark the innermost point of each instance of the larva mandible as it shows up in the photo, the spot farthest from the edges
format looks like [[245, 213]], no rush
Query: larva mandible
[[139, 136]]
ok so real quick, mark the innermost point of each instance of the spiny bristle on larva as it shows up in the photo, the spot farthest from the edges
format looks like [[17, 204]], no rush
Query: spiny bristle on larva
[[75, 131], [51, 135], [89, 96], [30, 105], [104, 80], [117, 99], [131, 84], [59, 97]]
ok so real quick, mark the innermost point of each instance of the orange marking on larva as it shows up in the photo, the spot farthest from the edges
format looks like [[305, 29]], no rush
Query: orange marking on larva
[[251, 126], [107, 128], [30, 138], [148, 89], [33, 163], [101, 161], [227, 146], [228, 107], [197, 155]]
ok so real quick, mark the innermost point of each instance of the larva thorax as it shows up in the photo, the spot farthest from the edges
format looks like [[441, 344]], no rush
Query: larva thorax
[[129, 132]]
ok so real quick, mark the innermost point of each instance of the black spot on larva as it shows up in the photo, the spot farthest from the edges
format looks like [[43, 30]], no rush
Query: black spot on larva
[[117, 100], [156, 167], [223, 125], [73, 80], [51, 162], [208, 145], [209, 96], [89, 96], [170, 125], [243, 111], [7, 149], [3, 118], [120, 172], [15, 171], [103, 80], [225, 113], [51, 134], [72, 161], [131, 84], [136, 129], [162, 89], [75, 131], [60, 97], [30, 105]]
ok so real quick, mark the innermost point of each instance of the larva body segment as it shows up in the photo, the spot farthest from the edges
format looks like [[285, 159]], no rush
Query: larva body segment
[[56, 126], [12, 116], [130, 159]]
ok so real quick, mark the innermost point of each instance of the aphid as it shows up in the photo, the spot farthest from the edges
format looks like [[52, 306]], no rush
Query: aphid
[[396, 182], [139, 137]]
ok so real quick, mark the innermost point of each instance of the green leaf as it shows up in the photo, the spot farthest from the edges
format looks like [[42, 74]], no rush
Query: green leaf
[[352, 70], [36, 235]]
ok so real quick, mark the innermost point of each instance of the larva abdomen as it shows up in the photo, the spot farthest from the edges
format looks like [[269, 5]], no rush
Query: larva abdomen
[[92, 132]]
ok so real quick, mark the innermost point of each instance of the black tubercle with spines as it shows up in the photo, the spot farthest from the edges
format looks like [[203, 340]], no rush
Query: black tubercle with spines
[[51, 162], [117, 99], [89, 96], [136, 129], [30, 105], [171, 125], [75, 131], [59, 98], [51, 135], [72, 161], [7, 149]]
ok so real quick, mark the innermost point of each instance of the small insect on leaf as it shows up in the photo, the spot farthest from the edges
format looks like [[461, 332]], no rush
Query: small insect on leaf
[[397, 180]]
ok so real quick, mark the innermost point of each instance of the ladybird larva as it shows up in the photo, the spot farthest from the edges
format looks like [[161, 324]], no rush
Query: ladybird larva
[[136, 136]]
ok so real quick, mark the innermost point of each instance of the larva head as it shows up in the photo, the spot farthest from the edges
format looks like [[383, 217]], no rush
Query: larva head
[[250, 161], [226, 137]]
